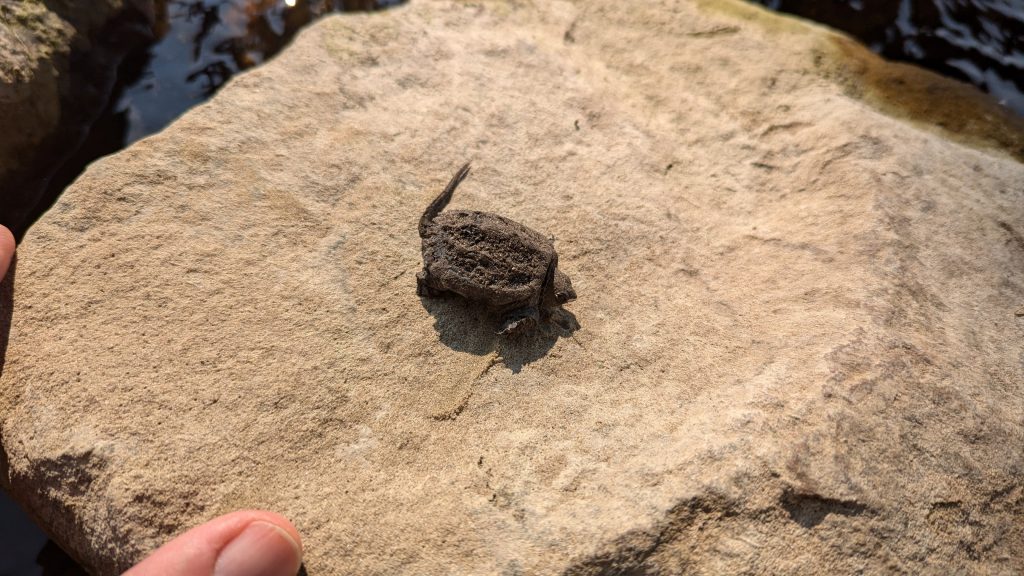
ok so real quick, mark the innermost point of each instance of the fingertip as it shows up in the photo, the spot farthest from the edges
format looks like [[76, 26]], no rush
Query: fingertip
[[250, 542], [6, 250], [272, 518], [261, 549]]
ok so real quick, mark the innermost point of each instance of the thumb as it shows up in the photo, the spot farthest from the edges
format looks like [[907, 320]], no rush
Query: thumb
[[244, 543]]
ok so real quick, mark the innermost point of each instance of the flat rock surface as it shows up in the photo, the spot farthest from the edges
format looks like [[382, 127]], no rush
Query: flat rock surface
[[796, 352]]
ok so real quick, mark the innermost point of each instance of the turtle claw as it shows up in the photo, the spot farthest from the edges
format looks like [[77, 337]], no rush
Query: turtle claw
[[423, 286], [518, 323]]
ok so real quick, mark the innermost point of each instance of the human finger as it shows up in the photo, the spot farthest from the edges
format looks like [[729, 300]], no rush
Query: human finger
[[244, 543], [6, 250]]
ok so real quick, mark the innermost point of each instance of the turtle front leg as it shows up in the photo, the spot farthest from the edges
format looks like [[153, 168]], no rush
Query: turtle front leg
[[423, 287], [520, 320]]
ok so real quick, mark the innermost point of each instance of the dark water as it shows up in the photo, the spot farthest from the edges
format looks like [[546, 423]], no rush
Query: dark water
[[207, 43], [20, 540], [977, 41]]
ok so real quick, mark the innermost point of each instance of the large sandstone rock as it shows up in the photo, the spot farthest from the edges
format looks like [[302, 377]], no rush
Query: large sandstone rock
[[797, 349], [58, 62]]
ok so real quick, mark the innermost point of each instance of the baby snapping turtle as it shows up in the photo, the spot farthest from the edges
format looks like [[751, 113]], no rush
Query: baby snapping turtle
[[491, 260]]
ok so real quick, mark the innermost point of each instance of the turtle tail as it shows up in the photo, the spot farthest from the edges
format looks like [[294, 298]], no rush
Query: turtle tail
[[442, 200]]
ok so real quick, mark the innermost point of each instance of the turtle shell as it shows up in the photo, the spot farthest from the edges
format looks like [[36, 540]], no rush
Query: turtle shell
[[486, 258]]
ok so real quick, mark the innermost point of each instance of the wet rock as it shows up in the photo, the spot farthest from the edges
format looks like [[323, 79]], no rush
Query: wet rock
[[796, 351], [58, 63]]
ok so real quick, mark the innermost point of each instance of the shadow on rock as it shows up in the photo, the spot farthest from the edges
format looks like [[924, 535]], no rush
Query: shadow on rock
[[518, 351], [6, 310], [464, 327], [461, 326]]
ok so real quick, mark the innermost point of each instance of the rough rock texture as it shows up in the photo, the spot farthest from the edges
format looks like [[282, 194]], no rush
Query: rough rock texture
[[57, 67], [798, 349]]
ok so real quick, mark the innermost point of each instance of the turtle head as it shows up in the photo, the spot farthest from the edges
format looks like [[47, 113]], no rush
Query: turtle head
[[564, 292]]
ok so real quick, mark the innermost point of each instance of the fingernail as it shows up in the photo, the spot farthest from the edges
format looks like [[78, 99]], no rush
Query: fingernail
[[262, 549]]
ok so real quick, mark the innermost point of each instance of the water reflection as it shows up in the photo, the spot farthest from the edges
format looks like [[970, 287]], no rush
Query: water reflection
[[977, 41], [209, 42]]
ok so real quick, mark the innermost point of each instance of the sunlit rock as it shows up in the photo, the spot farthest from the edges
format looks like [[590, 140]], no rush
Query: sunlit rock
[[797, 348]]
